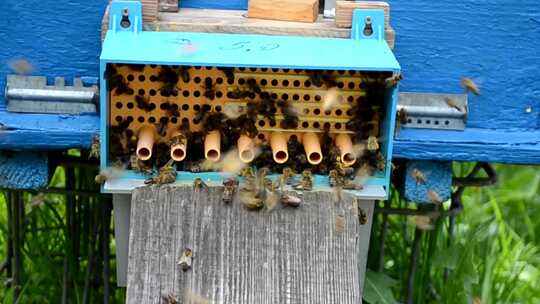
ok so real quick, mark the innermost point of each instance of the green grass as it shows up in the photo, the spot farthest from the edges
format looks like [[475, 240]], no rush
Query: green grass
[[493, 258]]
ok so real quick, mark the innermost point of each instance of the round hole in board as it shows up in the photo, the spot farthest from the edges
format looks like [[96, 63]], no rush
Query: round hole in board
[[206, 107], [285, 96], [197, 107], [153, 78], [409, 120], [174, 120], [260, 136], [306, 97], [339, 112], [130, 77], [436, 122], [326, 125], [130, 119], [185, 93], [163, 106], [274, 82], [152, 119], [275, 70], [217, 108], [317, 97], [296, 83], [296, 97], [316, 124], [272, 123], [141, 92], [164, 119], [341, 72], [264, 82], [197, 67], [219, 94], [293, 137], [196, 93], [273, 110], [307, 83], [118, 118], [152, 92], [419, 121], [261, 123], [317, 111], [340, 85], [185, 107], [349, 112], [230, 81], [286, 70], [197, 79], [350, 98], [140, 119], [337, 125], [185, 120], [119, 105], [241, 81], [274, 95], [351, 85], [305, 124], [446, 122], [130, 105], [264, 69], [306, 111], [142, 78], [285, 83], [428, 121], [327, 112], [219, 80]]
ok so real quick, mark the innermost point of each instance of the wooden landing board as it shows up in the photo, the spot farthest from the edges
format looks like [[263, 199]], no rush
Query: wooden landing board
[[313, 254]]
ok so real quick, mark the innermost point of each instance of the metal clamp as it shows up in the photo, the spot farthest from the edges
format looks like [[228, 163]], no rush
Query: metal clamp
[[125, 16], [433, 111], [368, 24], [31, 94]]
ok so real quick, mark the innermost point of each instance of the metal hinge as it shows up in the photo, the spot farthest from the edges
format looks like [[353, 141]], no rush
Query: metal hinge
[[434, 111], [125, 16], [367, 24], [31, 94]]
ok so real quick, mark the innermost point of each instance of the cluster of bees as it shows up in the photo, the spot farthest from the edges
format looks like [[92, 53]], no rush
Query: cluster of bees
[[231, 125]]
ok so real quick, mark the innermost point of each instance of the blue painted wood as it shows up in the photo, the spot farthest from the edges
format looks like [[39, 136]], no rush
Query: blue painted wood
[[438, 178], [215, 4], [26, 170], [495, 42]]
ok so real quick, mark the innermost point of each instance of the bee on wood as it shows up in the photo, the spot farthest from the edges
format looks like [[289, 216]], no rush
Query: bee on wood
[[250, 181], [290, 115], [94, 148], [161, 126], [418, 176], [136, 67], [119, 85], [331, 100], [306, 181], [186, 259], [290, 200], [229, 188], [351, 185], [199, 184], [184, 73], [169, 79], [144, 103], [238, 93], [169, 299], [177, 140], [393, 80], [287, 174], [452, 104], [170, 109], [209, 88], [381, 162], [434, 197], [319, 78], [362, 216], [271, 198], [250, 200], [372, 144], [166, 175], [138, 165], [228, 72], [253, 86], [333, 178], [340, 223], [469, 86]]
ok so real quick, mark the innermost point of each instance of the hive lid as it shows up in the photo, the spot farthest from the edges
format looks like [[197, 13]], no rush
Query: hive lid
[[217, 49]]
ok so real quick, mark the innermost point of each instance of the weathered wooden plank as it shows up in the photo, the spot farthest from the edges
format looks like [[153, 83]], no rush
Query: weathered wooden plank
[[313, 254], [235, 22]]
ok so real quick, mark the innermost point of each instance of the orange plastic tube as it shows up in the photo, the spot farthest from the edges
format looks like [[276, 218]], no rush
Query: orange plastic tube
[[278, 143], [212, 146], [312, 146], [246, 149], [178, 151], [145, 142], [345, 146]]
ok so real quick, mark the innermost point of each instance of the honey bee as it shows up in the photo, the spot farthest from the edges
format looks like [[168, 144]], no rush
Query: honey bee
[[229, 188], [401, 119], [331, 99], [144, 103], [290, 116], [452, 104], [94, 148], [37, 200], [108, 174], [290, 200], [469, 86], [161, 126], [318, 78], [166, 175], [209, 88], [393, 80], [250, 200], [423, 222], [372, 144], [287, 175], [21, 66], [169, 299], [362, 216], [340, 223], [381, 162], [117, 83], [271, 199], [184, 73], [237, 93], [418, 176], [232, 111], [306, 181], [136, 67], [253, 86], [169, 79], [177, 140], [199, 184], [186, 259], [171, 110], [434, 197], [228, 72], [351, 185], [138, 165], [333, 178]]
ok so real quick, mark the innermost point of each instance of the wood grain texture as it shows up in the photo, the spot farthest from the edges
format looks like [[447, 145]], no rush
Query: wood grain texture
[[235, 22], [313, 254], [286, 10], [168, 5], [344, 10]]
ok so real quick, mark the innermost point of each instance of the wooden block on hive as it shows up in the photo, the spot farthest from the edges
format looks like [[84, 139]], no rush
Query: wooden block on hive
[[344, 11], [149, 10], [168, 6], [286, 10]]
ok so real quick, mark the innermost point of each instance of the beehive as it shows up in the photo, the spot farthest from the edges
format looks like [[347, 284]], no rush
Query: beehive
[[222, 78]]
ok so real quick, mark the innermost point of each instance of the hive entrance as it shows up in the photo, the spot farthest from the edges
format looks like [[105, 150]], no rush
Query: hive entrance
[[173, 98]]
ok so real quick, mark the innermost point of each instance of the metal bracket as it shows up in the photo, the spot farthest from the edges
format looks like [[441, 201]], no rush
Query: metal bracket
[[434, 111], [368, 24], [125, 16], [31, 94]]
